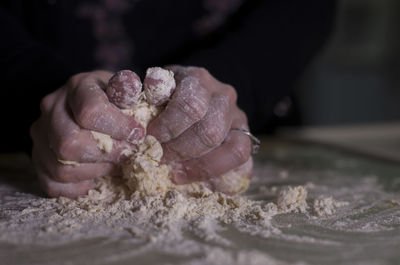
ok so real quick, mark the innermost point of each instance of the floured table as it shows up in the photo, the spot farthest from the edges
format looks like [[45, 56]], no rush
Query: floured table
[[364, 231]]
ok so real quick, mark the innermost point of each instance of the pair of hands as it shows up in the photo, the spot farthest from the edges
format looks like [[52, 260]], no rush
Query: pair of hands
[[194, 130]]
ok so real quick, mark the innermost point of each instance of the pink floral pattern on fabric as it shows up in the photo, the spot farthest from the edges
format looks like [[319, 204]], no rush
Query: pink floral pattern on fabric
[[218, 11], [114, 48]]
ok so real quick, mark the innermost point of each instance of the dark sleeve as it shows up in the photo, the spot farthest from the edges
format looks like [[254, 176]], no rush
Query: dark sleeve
[[263, 50], [29, 70]]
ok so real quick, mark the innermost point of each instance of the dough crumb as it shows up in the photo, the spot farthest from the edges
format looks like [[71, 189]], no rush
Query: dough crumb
[[143, 111], [325, 206], [158, 85], [104, 141], [292, 199], [68, 162], [395, 203], [144, 173], [147, 205]]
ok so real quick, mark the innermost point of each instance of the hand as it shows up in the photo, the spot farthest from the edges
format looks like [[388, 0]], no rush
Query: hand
[[194, 129], [63, 133]]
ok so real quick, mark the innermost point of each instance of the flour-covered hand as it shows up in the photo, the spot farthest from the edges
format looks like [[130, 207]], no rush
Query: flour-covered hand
[[195, 129], [66, 155]]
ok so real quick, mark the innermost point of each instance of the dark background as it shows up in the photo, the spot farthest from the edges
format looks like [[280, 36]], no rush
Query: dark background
[[355, 79]]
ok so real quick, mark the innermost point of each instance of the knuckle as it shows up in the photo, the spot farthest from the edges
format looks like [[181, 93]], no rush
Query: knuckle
[[193, 107], [241, 151], [66, 147], [221, 104], [230, 93], [86, 113], [241, 119], [46, 103], [242, 116], [33, 129], [202, 71], [199, 72], [211, 136], [76, 79], [213, 128]]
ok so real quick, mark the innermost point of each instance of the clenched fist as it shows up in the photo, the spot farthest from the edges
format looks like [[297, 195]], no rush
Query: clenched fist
[[62, 136], [195, 129]]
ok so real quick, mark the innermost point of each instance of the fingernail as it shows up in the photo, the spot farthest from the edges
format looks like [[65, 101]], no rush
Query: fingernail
[[136, 134], [180, 177]]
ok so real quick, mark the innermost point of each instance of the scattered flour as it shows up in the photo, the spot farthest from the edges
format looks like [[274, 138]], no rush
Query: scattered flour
[[145, 204], [143, 111], [158, 85], [221, 257], [394, 202], [292, 199], [114, 209], [324, 206]]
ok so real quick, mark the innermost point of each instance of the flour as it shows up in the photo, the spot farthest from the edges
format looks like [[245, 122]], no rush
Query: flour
[[324, 206], [144, 173], [394, 202], [104, 141], [293, 200], [148, 212], [158, 85], [223, 257], [68, 162], [146, 205], [143, 111]]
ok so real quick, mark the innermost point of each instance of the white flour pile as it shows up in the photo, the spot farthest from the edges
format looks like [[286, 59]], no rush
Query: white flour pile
[[145, 204], [324, 206], [112, 209]]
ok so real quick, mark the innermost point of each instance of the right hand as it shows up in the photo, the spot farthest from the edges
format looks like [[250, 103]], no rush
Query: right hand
[[63, 133], [195, 130]]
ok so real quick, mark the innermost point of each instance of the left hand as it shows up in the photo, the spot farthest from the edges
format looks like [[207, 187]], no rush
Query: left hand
[[63, 134], [195, 129]]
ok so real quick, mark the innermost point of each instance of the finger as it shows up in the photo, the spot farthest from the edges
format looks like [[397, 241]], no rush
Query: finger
[[66, 173], [47, 102], [54, 188], [124, 89], [46, 160], [231, 154], [159, 85], [92, 110], [69, 142], [203, 136], [181, 72], [234, 181], [70, 190], [188, 105]]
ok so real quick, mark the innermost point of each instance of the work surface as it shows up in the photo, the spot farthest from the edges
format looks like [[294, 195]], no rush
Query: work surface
[[366, 231]]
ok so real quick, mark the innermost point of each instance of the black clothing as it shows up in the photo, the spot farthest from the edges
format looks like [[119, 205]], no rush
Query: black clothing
[[258, 46]]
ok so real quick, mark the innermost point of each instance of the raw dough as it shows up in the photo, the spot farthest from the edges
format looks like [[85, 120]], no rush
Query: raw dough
[[324, 206], [293, 199], [104, 141], [145, 203]]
